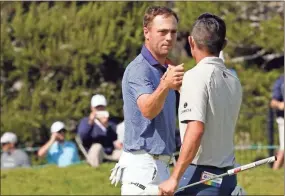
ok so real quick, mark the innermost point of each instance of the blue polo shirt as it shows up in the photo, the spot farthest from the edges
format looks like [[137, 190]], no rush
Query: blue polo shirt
[[156, 136], [63, 154]]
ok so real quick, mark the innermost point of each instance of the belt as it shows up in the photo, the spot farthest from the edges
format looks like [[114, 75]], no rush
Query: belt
[[165, 158], [213, 167]]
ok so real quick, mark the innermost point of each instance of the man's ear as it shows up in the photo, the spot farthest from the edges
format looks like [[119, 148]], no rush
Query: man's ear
[[191, 42], [225, 43], [146, 33]]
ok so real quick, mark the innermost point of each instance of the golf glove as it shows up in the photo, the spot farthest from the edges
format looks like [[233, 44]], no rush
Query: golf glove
[[116, 174], [238, 191]]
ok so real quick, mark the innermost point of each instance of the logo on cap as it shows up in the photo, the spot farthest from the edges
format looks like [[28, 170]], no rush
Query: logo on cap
[[185, 104]]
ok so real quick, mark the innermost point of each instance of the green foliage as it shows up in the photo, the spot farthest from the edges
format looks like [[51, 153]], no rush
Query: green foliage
[[241, 30], [61, 53], [257, 89]]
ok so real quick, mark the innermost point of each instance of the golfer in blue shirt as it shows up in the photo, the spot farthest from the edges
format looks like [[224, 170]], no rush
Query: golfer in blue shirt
[[148, 86]]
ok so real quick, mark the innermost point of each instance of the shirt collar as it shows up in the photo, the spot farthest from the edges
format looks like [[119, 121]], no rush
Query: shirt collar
[[100, 125], [151, 60], [212, 60], [59, 144]]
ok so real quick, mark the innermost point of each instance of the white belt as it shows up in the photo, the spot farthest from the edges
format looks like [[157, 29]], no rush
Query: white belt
[[165, 158]]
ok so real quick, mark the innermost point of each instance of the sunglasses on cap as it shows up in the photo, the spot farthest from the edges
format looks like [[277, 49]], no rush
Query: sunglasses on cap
[[62, 131]]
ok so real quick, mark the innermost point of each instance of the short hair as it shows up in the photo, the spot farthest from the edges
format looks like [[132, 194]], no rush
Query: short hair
[[209, 31], [153, 11]]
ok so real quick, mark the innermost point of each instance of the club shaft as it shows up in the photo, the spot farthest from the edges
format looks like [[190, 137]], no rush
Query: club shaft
[[251, 165], [233, 171], [202, 181]]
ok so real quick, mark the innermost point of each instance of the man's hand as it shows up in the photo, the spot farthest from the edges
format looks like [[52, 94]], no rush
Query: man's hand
[[44, 149], [53, 137], [173, 76], [168, 187], [92, 117], [281, 105], [275, 104], [118, 145]]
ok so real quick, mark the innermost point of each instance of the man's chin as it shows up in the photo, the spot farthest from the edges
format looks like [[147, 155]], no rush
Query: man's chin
[[164, 52]]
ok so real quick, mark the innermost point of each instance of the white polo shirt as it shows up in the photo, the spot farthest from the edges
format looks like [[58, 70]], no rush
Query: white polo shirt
[[211, 94]]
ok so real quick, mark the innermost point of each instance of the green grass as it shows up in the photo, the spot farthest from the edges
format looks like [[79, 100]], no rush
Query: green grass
[[84, 180]]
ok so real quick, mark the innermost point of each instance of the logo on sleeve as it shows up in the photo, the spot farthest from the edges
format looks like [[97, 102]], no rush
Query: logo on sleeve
[[186, 110]]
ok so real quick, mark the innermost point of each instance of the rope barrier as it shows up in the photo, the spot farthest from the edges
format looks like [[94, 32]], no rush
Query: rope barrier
[[240, 147]]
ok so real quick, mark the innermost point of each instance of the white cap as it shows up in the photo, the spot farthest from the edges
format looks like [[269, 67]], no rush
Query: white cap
[[98, 100], [57, 126], [9, 137]]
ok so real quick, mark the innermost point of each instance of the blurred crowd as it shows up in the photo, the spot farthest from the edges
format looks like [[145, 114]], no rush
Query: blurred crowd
[[100, 140], [97, 138]]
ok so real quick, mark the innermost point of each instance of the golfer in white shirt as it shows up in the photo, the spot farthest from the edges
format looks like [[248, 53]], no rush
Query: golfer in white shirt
[[209, 106]]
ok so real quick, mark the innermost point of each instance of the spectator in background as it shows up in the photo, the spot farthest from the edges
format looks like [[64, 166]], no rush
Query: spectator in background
[[120, 132], [59, 151], [12, 157], [277, 103], [97, 135]]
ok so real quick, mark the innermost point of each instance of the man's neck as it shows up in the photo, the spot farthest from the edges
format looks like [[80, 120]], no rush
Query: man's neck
[[202, 55], [9, 150], [160, 59]]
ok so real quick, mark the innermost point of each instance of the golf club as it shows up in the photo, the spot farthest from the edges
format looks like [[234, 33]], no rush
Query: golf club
[[233, 171]]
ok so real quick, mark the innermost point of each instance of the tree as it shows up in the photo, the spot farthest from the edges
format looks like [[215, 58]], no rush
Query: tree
[[56, 55]]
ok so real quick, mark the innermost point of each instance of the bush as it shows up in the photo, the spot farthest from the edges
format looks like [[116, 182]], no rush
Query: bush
[[56, 55]]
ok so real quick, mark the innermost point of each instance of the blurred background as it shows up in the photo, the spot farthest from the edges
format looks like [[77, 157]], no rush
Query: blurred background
[[56, 55]]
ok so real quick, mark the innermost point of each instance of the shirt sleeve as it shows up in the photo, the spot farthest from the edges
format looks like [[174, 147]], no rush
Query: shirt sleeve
[[276, 93], [193, 98], [139, 80]]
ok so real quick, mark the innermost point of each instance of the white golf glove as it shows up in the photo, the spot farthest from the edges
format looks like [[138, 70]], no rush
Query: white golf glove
[[116, 174], [238, 191]]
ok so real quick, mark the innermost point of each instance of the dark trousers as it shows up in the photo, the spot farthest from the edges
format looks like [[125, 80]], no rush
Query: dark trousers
[[193, 174]]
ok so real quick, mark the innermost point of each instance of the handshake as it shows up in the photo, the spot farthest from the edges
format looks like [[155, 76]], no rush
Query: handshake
[[173, 77]]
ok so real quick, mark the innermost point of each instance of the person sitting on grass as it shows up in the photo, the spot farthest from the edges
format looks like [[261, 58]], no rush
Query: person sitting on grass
[[11, 157], [58, 150], [98, 135]]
